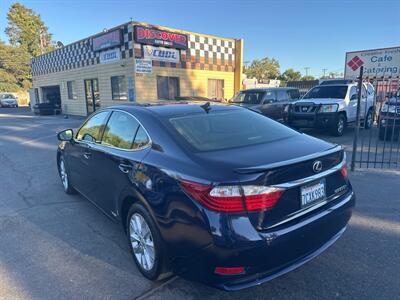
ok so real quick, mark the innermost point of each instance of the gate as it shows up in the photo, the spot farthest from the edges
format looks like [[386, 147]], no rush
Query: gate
[[378, 147]]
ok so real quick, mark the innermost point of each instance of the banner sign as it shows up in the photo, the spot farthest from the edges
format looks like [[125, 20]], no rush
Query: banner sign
[[377, 63], [143, 66], [110, 56], [161, 54], [107, 40], [152, 36]]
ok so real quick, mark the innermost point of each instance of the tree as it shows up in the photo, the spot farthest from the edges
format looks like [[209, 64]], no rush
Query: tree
[[290, 75], [308, 77], [265, 68], [14, 68], [26, 29]]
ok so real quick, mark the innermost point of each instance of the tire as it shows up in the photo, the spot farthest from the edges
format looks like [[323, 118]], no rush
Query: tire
[[63, 172], [369, 119], [144, 237], [340, 126]]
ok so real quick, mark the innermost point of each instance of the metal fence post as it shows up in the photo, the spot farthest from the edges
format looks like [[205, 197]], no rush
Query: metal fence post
[[357, 129]]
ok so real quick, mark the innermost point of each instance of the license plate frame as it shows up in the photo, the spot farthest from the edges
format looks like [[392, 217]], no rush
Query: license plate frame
[[313, 193]]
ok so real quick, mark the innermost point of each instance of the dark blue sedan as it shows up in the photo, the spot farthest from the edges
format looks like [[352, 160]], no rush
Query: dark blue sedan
[[214, 193]]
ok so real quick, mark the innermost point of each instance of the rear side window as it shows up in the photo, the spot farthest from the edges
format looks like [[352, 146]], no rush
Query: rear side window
[[120, 131], [93, 128], [228, 129], [294, 94], [282, 95], [141, 139]]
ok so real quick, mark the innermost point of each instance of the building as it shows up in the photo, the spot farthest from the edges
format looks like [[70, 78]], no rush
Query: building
[[137, 62]]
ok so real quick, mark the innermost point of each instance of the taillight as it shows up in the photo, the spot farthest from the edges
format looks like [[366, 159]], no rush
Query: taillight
[[233, 198], [343, 171]]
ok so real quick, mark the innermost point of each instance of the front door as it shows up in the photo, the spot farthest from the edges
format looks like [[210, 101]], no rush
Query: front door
[[92, 95], [216, 89]]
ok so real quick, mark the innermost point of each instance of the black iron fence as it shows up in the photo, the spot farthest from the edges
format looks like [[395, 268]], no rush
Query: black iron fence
[[379, 145]]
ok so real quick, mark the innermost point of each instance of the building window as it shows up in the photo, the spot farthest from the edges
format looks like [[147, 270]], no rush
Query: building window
[[167, 87], [216, 89], [71, 89], [119, 88]]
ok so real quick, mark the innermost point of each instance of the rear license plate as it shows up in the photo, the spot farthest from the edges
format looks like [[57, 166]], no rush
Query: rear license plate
[[313, 193]]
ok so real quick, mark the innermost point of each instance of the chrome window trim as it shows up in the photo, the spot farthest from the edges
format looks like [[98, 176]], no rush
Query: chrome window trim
[[297, 182], [262, 168], [111, 110]]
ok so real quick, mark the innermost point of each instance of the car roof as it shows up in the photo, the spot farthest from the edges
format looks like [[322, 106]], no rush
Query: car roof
[[269, 89], [170, 109]]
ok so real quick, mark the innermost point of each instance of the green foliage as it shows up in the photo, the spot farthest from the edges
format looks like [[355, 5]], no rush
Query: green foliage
[[26, 29], [14, 68], [308, 77], [265, 68], [290, 75]]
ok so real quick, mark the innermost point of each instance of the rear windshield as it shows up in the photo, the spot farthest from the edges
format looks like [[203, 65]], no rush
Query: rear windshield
[[228, 129], [249, 97], [327, 91]]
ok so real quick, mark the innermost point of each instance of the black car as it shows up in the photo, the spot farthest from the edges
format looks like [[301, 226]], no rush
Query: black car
[[215, 193], [270, 102], [389, 118], [47, 108]]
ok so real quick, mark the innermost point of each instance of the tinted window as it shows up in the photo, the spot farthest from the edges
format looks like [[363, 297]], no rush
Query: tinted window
[[228, 129], [294, 94], [141, 139], [326, 91], [250, 97], [353, 91], [282, 95], [93, 128], [120, 130]]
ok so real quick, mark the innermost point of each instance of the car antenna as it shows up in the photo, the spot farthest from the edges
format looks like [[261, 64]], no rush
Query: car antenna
[[206, 107]]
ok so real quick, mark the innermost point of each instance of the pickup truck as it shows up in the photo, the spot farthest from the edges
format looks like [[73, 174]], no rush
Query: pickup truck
[[332, 105]]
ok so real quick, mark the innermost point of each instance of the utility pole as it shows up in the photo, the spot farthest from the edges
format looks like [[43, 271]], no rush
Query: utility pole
[[307, 68], [324, 70]]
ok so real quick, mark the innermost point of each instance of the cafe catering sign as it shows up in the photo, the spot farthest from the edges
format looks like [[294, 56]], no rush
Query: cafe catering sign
[[157, 37]]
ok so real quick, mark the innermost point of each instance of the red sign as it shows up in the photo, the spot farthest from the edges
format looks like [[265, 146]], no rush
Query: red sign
[[107, 40], [355, 63], [152, 36]]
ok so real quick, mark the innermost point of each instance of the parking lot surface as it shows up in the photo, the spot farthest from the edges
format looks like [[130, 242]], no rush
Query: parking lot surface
[[57, 246]]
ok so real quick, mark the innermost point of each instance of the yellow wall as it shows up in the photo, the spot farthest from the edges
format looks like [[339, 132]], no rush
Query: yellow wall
[[192, 82]]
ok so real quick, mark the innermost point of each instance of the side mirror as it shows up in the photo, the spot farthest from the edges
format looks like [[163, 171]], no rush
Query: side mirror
[[66, 135]]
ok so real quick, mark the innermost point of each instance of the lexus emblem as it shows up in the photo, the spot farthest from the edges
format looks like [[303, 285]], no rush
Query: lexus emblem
[[317, 166]]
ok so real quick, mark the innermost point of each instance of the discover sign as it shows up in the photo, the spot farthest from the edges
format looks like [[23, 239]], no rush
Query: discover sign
[[377, 63]]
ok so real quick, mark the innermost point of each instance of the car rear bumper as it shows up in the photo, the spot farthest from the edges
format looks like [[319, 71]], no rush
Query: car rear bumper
[[268, 254], [312, 120]]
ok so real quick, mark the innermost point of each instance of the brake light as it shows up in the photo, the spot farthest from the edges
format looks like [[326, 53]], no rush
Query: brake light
[[233, 198], [343, 171], [229, 271]]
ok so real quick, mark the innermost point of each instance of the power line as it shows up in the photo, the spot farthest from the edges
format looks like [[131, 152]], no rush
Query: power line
[[307, 68], [324, 70]]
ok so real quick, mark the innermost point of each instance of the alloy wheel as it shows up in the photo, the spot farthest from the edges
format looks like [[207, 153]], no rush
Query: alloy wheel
[[142, 241], [63, 174], [340, 125]]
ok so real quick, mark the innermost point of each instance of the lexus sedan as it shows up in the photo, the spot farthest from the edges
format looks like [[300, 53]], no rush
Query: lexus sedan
[[214, 193]]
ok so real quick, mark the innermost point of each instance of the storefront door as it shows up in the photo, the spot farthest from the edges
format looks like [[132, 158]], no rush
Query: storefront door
[[167, 87], [216, 89], [92, 95]]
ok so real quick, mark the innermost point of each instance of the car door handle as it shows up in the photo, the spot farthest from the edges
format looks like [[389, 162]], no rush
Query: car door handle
[[125, 168], [87, 154]]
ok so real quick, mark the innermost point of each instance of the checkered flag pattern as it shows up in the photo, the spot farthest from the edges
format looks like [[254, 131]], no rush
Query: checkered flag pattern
[[355, 63], [77, 55]]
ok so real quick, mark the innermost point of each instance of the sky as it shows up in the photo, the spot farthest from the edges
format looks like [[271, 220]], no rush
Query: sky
[[299, 34]]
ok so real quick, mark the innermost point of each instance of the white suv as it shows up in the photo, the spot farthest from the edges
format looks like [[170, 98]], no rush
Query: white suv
[[332, 105]]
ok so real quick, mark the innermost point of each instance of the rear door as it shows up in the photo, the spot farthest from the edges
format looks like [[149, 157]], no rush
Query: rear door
[[268, 104], [80, 153], [124, 144]]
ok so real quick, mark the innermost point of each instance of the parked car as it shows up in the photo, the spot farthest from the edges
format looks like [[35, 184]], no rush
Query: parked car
[[270, 102], [332, 106], [8, 100], [389, 118], [194, 98], [47, 108], [215, 193]]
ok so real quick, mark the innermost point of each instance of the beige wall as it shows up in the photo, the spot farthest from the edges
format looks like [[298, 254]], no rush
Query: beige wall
[[101, 71], [192, 82]]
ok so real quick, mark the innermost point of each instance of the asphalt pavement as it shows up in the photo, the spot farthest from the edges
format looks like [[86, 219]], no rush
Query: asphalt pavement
[[57, 246]]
